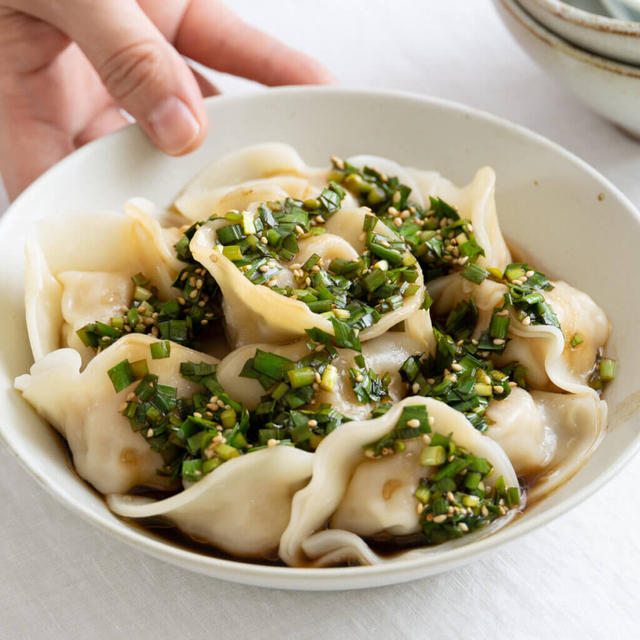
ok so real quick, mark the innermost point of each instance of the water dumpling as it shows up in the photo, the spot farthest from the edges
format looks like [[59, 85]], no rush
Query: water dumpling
[[342, 470], [242, 507], [91, 279], [84, 408], [273, 293]]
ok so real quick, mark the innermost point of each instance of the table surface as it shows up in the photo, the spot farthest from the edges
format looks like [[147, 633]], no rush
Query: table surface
[[574, 578]]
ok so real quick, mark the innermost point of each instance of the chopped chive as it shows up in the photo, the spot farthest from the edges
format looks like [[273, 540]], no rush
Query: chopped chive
[[301, 377], [248, 225], [482, 389], [474, 273], [369, 223], [432, 456], [345, 336], [423, 494], [121, 375], [160, 350], [232, 252], [607, 369], [140, 368], [513, 497], [311, 261], [271, 364], [576, 340], [329, 378], [499, 326]]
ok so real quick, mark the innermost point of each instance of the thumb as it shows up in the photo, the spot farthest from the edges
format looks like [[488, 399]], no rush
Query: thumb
[[139, 68]]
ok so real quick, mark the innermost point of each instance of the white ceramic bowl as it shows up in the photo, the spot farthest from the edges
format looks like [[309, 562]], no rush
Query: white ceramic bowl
[[610, 88], [605, 36], [570, 217]]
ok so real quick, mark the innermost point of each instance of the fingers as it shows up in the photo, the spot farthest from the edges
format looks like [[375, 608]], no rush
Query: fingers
[[215, 36], [39, 146], [207, 88], [107, 121], [139, 68]]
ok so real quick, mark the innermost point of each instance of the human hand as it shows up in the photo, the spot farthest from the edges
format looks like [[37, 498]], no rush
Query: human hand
[[68, 66]]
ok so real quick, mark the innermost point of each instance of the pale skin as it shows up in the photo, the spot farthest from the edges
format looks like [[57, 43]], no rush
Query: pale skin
[[68, 67]]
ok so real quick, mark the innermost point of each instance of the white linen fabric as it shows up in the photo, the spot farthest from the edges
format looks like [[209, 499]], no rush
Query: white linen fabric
[[63, 578]]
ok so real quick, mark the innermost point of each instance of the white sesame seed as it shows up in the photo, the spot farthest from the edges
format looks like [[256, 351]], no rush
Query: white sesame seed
[[419, 508], [529, 273], [497, 388], [393, 211], [440, 519], [369, 453], [499, 341], [431, 380], [312, 423], [149, 433], [397, 222], [359, 378], [526, 320], [271, 442], [463, 527], [456, 367], [264, 240], [513, 384], [415, 387], [197, 414], [426, 438], [414, 422]]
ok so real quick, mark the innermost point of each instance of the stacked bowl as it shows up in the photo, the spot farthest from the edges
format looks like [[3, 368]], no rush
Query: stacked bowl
[[597, 57]]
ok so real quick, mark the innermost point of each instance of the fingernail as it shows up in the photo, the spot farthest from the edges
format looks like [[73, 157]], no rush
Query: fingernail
[[173, 125]]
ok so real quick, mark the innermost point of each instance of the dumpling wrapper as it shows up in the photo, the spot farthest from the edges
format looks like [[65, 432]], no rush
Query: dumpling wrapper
[[242, 507], [337, 460], [259, 173], [255, 313], [552, 363], [384, 354], [476, 202], [547, 436], [84, 408], [70, 260]]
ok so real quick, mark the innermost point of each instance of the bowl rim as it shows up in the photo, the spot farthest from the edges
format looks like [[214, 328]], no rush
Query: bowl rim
[[342, 577], [593, 21], [564, 46]]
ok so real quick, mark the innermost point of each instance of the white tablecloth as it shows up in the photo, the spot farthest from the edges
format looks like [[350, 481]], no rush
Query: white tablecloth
[[575, 578]]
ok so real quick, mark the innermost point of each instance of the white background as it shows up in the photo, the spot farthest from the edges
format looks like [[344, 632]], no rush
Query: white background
[[575, 578]]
